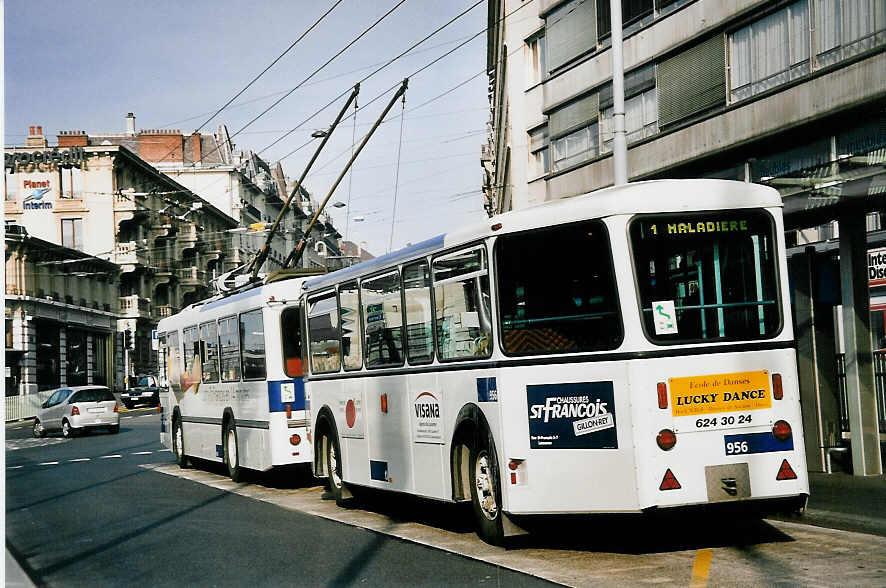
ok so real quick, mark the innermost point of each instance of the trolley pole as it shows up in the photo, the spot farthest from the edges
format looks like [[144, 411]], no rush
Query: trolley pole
[[619, 142], [296, 253], [262, 255]]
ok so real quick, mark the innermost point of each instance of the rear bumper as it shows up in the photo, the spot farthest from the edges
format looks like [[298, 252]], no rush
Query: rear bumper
[[751, 507], [92, 421]]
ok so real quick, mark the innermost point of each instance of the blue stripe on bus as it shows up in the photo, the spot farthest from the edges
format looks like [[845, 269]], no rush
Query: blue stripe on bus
[[274, 402], [756, 443], [366, 267]]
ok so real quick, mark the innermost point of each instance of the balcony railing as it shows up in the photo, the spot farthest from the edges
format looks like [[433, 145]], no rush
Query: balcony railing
[[134, 306], [130, 254], [164, 310], [191, 274]]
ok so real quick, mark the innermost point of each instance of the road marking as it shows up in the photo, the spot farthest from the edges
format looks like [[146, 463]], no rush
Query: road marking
[[702, 568], [142, 453], [48, 463], [110, 456], [79, 459], [162, 450], [14, 467], [128, 417]]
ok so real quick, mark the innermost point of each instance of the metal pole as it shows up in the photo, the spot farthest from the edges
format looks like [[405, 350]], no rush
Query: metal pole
[[296, 253], [619, 139], [262, 255]]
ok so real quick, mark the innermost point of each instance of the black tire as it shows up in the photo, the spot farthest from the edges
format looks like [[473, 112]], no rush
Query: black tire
[[232, 452], [333, 466], [178, 443], [38, 431], [67, 430], [486, 491], [114, 429]]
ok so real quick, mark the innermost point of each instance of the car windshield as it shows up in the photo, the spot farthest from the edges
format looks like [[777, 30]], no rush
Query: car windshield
[[145, 381], [707, 276]]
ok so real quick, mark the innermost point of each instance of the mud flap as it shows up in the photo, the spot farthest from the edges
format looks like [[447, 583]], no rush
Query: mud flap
[[510, 528]]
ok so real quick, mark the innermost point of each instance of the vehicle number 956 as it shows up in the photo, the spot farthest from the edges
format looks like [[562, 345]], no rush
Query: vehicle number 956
[[723, 421], [736, 447]]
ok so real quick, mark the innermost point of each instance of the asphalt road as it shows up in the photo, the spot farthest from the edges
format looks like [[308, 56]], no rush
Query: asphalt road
[[87, 512], [115, 510]]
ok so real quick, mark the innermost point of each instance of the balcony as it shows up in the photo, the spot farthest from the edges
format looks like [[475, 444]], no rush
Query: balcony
[[192, 276], [164, 310], [135, 306], [130, 254]]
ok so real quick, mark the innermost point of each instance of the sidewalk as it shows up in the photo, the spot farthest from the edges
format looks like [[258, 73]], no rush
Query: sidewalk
[[14, 574]]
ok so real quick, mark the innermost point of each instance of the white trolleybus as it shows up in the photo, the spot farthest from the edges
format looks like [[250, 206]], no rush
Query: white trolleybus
[[617, 352], [234, 370]]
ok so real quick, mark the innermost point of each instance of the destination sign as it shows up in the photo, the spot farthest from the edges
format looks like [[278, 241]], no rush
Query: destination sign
[[701, 226]]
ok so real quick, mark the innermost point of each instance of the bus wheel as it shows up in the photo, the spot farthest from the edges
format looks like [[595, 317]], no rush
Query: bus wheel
[[486, 495], [333, 466], [232, 456], [178, 443]]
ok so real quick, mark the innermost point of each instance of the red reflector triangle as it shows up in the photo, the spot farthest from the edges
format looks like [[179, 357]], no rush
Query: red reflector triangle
[[669, 482], [785, 472]]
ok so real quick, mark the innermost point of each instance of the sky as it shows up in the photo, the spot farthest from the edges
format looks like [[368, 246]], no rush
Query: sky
[[83, 65]]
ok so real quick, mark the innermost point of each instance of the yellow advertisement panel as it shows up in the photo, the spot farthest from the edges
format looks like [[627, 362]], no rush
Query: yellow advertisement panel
[[715, 393]]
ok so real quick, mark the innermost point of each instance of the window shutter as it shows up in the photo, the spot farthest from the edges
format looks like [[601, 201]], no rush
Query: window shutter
[[569, 31], [573, 115], [692, 81]]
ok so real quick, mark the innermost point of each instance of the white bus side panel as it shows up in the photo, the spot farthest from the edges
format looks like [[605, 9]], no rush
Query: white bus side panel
[[572, 464]]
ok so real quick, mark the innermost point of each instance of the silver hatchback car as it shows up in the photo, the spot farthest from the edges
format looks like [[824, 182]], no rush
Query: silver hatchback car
[[76, 409]]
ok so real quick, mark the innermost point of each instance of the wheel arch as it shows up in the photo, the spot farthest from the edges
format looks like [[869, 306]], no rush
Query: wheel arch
[[470, 426]]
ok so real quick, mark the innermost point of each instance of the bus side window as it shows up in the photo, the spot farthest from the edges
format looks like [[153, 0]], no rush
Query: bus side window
[[461, 305], [229, 342], [323, 334], [351, 339], [290, 325], [192, 349], [252, 345], [383, 320], [209, 351], [417, 295]]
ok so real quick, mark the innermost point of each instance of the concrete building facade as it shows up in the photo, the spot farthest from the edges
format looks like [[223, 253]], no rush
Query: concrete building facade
[[786, 93]]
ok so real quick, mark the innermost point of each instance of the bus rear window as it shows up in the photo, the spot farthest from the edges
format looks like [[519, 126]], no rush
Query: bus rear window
[[706, 276], [556, 291]]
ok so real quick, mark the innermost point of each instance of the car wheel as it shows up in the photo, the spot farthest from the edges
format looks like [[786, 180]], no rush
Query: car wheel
[[232, 455], [333, 465], [178, 443], [486, 493], [38, 430], [67, 430], [114, 429]]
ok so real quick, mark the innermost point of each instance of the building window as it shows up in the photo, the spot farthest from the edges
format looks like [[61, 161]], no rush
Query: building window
[[574, 132], [641, 119], [769, 52], [72, 182], [844, 28], [72, 233], [76, 357], [535, 58], [570, 30], [11, 185], [634, 14], [539, 152]]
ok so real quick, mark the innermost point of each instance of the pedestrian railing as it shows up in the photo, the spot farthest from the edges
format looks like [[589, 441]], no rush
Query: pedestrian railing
[[24, 406], [879, 360]]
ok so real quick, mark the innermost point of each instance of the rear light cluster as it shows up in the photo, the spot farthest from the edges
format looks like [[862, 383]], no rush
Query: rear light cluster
[[781, 430], [777, 388], [116, 408], [75, 411], [662, 394], [666, 439]]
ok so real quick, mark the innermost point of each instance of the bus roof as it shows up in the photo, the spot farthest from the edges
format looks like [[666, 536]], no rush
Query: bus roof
[[653, 196]]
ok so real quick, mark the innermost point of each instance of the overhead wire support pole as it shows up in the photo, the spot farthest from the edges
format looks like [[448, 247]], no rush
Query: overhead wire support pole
[[619, 139], [296, 253], [262, 255]]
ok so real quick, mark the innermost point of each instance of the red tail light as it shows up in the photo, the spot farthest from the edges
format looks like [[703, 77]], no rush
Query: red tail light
[[295, 439], [384, 403], [289, 411], [777, 389], [159, 409], [669, 482], [781, 430], [75, 411], [116, 408], [662, 395], [785, 472], [666, 439]]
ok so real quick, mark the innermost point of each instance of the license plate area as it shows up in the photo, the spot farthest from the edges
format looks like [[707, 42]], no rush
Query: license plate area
[[750, 443], [96, 410], [727, 482]]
